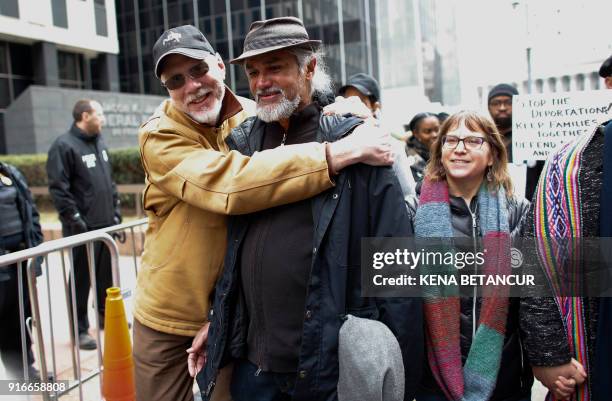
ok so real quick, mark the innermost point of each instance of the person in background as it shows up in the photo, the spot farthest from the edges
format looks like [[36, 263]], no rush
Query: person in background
[[500, 108], [605, 71], [442, 116], [86, 198], [366, 88], [20, 229], [424, 128]]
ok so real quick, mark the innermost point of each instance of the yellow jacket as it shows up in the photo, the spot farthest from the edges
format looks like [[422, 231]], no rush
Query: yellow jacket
[[192, 182]]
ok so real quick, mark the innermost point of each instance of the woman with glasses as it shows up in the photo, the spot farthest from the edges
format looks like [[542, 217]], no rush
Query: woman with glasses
[[424, 128], [474, 345]]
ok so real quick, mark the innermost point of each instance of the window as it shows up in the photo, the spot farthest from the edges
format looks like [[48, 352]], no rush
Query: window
[[539, 85], [5, 94], [594, 78], [70, 67], [100, 17], [3, 59], [552, 84], [580, 82], [60, 14], [565, 83], [10, 8]]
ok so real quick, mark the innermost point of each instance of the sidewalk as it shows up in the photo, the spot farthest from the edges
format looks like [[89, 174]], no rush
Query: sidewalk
[[59, 357], [89, 359]]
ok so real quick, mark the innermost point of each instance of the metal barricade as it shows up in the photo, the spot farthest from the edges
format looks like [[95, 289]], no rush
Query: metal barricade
[[64, 246]]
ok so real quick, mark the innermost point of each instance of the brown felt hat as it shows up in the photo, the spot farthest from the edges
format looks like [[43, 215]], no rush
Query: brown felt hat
[[275, 34]]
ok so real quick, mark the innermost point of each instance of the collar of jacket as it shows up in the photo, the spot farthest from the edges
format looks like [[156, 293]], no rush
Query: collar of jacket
[[79, 133], [331, 128], [247, 139], [230, 106]]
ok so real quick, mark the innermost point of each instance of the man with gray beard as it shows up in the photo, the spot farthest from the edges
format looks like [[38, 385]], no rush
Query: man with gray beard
[[293, 272], [193, 181]]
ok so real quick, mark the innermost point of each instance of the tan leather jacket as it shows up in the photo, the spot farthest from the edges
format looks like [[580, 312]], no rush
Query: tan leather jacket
[[192, 183]]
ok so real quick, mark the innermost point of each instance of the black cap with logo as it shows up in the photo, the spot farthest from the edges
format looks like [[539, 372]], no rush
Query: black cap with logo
[[364, 83], [186, 40]]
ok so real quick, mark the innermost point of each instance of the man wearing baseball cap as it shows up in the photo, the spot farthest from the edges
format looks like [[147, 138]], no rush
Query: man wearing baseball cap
[[605, 71], [193, 181], [366, 88], [291, 273]]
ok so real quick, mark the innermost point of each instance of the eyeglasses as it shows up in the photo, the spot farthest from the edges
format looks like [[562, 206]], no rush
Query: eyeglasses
[[177, 81], [469, 142]]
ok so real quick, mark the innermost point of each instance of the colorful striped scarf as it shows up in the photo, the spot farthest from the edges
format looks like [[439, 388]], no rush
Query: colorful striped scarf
[[558, 227], [476, 380]]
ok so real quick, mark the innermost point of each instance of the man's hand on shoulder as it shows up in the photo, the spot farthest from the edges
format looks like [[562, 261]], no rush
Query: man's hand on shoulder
[[367, 144]]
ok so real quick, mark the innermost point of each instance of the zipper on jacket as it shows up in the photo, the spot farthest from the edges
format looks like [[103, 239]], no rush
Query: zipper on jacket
[[474, 240], [210, 387], [258, 371]]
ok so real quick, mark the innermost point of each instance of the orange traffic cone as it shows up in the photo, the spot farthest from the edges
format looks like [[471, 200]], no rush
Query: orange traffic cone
[[118, 374]]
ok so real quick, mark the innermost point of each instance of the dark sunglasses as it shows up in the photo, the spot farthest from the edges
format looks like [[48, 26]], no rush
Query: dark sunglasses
[[177, 81], [469, 142]]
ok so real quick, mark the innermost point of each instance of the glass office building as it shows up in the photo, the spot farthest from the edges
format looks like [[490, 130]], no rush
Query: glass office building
[[346, 27]]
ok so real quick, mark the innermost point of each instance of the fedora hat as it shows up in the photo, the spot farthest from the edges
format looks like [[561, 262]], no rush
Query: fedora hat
[[275, 34]]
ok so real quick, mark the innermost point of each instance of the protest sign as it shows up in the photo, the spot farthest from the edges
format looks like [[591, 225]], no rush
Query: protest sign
[[540, 123]]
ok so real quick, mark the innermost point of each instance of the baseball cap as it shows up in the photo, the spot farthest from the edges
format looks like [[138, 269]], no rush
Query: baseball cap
[[186, 40], [364, 83]]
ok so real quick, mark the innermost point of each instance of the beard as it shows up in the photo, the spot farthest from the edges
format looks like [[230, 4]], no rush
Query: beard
[[277, 111], [208, 116], [503, 122], [284, 107]]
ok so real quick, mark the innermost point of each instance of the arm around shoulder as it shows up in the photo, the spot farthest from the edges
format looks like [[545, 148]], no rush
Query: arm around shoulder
[[232, 183]]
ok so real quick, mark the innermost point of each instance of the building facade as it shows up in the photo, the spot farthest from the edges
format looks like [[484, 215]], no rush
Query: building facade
[[346, 27], [55, 43]]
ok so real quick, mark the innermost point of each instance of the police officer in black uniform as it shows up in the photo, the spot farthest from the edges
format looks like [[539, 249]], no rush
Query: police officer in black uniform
[[20, 229], [85, 196]]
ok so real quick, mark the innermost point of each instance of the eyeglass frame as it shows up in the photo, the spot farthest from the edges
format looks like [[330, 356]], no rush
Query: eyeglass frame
[[188, 74], [462, 140]]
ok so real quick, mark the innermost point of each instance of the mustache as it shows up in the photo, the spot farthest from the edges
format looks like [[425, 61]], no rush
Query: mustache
[[269, 91], [199, 94], [216, 90]]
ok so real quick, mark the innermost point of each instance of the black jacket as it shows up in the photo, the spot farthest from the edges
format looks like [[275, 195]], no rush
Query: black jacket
[[515, 378], [27, 210], [80, 179], [365, 202]]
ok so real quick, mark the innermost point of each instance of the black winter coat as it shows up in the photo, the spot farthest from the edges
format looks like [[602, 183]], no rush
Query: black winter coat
[[80, 181], [27, 210], [366, 202], [515, 378]]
